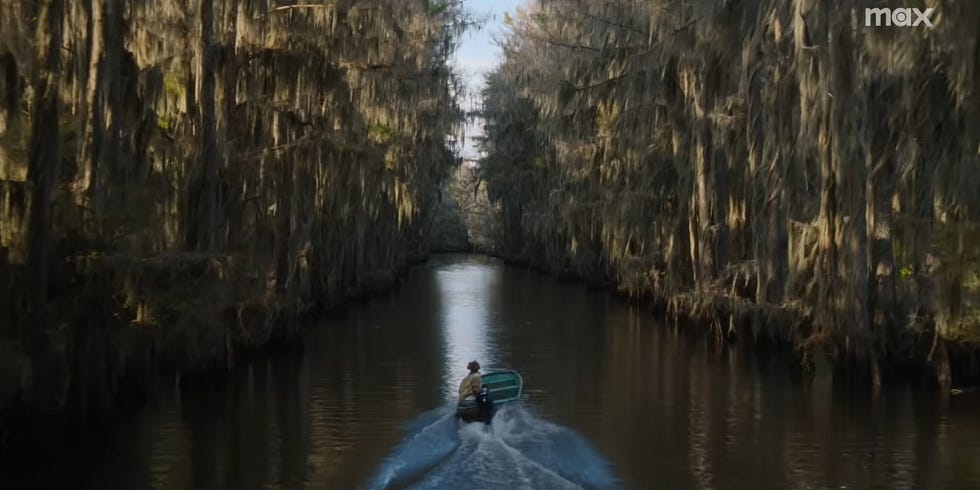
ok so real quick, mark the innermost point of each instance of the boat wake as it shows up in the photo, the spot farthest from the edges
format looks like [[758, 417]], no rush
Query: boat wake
[[519, 450]]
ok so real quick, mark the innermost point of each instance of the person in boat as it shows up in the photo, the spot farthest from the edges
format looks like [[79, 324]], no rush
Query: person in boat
[[472, 388], [472, 384]]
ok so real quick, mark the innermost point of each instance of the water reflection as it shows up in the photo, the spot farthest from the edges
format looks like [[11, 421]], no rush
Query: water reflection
[[665, 409], [469, 286], [732, 418]]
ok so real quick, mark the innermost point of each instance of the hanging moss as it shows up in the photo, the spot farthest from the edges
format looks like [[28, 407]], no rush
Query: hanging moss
[[681, 149], [302, 144]]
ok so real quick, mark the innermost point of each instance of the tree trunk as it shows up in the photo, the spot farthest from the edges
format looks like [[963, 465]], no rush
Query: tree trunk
[[208, 199], [881, 187], [284, 215], [774, 255], [106, 194], [704, 265], [45, 155], [89, 151]]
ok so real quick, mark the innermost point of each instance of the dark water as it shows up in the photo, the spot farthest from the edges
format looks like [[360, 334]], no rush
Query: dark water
[[613, 400]]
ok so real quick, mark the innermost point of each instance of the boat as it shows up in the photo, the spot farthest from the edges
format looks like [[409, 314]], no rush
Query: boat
[[500, 387]]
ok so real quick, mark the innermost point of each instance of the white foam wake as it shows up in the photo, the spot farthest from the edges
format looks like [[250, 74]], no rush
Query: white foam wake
[[519, 450]]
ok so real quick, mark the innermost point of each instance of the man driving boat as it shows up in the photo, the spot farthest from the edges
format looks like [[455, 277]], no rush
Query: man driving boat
[[472, 384]]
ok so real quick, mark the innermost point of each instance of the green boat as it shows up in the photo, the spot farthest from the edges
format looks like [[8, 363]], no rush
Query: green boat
[[501, 386]]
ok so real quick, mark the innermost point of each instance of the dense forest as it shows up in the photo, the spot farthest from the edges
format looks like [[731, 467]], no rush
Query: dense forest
[[180, 180], [769, 167], [184, 180]]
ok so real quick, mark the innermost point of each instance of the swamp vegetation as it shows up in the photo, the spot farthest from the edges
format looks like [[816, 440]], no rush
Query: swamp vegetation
[[773, 168], [181, 180], [184, 180]]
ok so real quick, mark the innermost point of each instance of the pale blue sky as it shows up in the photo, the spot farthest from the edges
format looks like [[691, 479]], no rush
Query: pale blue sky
[[478, 52]]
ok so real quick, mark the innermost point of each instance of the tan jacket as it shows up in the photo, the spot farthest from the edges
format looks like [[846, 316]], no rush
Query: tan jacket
[[471, 386]]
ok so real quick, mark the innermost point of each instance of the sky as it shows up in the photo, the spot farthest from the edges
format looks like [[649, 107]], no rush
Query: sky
[[478, 52]]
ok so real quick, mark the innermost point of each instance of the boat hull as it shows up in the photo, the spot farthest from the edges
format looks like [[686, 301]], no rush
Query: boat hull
[[504, 387]]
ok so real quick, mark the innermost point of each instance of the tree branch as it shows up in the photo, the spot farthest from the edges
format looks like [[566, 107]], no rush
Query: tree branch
[[284, 8]]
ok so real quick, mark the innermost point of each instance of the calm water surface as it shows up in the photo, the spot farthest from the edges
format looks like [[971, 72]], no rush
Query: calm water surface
[[613, 400]]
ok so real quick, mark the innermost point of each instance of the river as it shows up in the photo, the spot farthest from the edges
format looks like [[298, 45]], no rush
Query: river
[[613, 399]]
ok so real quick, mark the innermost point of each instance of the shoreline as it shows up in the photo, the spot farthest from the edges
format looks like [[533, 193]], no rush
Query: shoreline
[[105, 355], [734, 318]]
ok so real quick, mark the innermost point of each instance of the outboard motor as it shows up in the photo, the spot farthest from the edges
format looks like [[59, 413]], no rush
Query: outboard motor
[[484, 403]]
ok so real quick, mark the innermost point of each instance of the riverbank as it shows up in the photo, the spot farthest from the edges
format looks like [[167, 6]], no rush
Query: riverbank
[[123, 324], [726, 310], [790, 191]]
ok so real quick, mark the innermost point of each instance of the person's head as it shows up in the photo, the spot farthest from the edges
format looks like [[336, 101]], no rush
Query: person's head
[[473, 366]]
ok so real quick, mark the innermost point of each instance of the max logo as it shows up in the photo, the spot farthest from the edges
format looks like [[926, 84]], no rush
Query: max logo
[[903, 17]]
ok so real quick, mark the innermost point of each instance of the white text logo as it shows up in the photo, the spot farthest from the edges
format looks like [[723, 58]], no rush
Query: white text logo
[[904, 17]]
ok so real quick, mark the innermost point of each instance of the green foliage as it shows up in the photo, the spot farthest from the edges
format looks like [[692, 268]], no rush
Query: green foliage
[[439, 7], [165, 123], [173, 86], [380, 134]]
